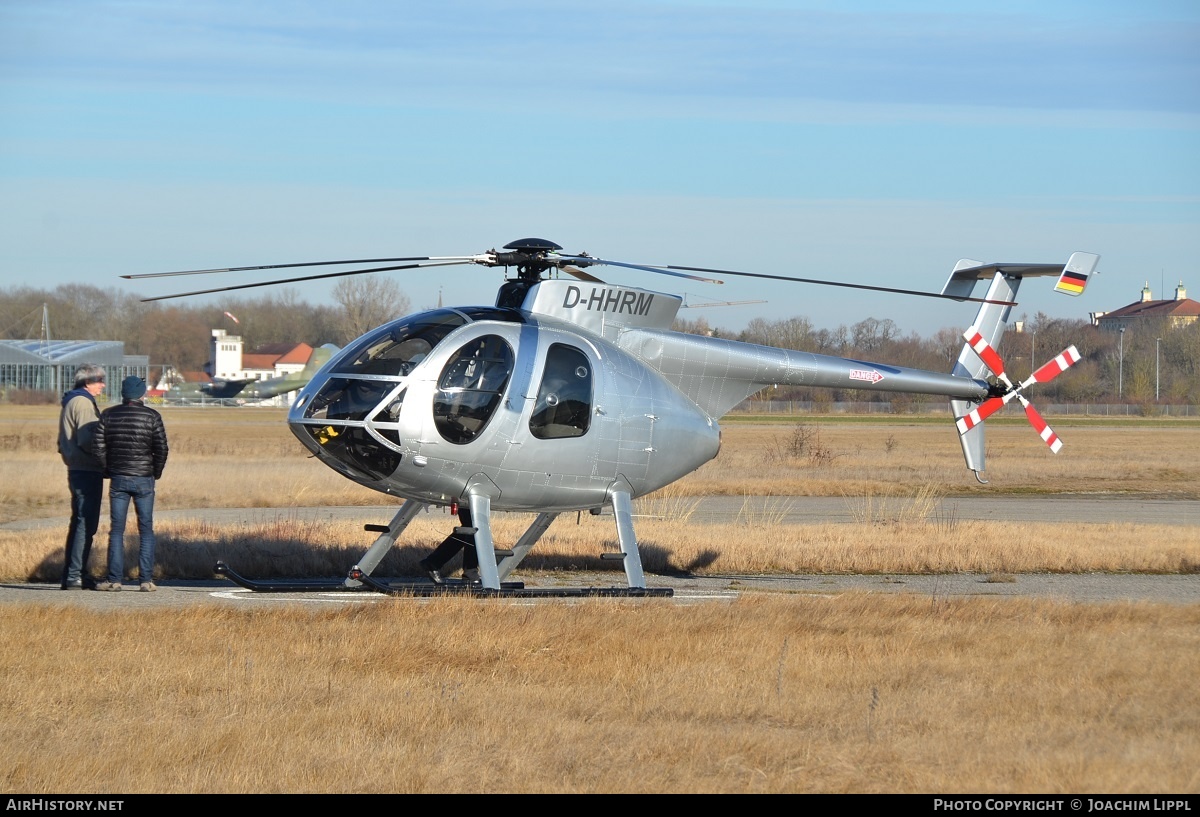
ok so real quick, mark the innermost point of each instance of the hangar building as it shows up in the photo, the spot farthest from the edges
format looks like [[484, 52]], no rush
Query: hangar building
[[49, 365]]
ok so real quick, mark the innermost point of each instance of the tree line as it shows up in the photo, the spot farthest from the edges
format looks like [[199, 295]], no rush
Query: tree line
[[1152, 361], [174, 333]]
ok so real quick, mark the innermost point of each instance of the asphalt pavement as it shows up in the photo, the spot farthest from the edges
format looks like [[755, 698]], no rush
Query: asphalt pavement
[[783, 510], [1079, 588], [1175, 589]]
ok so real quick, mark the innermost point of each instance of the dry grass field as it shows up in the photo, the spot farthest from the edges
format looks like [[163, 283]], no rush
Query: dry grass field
[[769, 693], [856, 693], [228, 458], [248, 458]]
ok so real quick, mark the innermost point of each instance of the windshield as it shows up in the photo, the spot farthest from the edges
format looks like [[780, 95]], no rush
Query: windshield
[[396, 348]]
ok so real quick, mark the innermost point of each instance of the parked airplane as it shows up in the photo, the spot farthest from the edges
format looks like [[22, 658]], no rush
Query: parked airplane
[[251, 389]]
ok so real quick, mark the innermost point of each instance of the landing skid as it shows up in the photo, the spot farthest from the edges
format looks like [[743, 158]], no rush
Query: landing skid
[[494, 565], [282, 585], [423, 588]]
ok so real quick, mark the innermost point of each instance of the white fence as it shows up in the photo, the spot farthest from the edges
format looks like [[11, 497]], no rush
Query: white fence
[[1083, 409]]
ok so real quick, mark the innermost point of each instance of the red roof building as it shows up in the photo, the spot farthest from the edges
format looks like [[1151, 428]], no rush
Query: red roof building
[[1175, 313]]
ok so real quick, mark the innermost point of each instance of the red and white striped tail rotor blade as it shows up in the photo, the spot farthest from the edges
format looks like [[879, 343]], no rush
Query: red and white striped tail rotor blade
[[1039, 425], [990, 357], [986, 409], [1068, 358]]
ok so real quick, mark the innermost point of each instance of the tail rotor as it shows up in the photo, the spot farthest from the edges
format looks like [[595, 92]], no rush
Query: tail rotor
[[1044, 374], [1039, 425]]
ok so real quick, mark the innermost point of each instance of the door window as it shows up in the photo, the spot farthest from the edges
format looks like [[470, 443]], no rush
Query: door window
[[564, 401], [471, 387]]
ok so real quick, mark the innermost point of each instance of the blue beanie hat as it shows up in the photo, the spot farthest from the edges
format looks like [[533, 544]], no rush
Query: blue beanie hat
[[133, 388]]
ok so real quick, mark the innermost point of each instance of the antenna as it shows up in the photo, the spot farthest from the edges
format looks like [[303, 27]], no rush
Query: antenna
[[686, 305], [45, 336]]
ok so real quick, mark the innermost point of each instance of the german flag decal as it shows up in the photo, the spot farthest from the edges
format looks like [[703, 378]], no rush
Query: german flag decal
[[1075, 274], [1071, 283]]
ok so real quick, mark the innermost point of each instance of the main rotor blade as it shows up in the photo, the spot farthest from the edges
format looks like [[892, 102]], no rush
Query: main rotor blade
[[921, 293], [576, 272], [587, 260], [304, 278], [448, 258]]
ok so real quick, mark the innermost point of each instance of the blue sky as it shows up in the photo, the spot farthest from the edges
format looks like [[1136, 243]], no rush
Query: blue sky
[[873, 142]]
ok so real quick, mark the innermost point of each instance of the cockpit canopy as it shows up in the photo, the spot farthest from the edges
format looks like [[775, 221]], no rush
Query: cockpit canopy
[[354, 415], [396, 348]]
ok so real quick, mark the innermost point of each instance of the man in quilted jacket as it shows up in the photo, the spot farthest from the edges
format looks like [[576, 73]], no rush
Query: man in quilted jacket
[[131, 442]]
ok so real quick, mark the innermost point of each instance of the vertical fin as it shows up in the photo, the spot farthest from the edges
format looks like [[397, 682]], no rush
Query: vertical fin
[[1075, 274], [988, 327]]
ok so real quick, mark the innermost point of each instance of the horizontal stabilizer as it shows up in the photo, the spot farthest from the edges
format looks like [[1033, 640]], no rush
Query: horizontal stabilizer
[[967, 273]]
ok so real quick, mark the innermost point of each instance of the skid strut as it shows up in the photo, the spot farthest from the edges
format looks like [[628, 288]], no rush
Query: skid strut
[[495, 564]]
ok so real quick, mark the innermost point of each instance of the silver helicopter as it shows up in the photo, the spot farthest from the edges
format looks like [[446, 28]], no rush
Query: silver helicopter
[[573, 394]]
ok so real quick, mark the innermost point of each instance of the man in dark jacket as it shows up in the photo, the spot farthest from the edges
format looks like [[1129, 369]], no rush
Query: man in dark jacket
[[132, 443]]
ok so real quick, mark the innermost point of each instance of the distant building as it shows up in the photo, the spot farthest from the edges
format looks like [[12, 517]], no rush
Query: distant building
[[1174, 313], [229, 361], [49, 365]]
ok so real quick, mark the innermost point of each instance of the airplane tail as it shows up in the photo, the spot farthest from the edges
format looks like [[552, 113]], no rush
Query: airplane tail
[[979, 358], [319, 357], [292, 381]]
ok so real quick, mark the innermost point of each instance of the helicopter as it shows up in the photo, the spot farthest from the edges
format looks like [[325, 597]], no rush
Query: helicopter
[[571, 393]]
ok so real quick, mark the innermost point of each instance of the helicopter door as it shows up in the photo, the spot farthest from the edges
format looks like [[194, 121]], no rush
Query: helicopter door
[[564, 400], [470, 388]]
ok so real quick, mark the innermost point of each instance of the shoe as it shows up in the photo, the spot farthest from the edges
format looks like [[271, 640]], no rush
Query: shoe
[[432, 572], [89, 583], [471, 575], [115, 586], [78, 585], [148, 587]]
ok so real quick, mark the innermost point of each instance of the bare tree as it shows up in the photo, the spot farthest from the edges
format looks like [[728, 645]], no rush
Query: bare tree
[[367, 301], [871, 334], [699, 326], [789, 333]]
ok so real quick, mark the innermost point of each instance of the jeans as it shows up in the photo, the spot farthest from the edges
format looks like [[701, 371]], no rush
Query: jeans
[[120, 490], [87, 492]]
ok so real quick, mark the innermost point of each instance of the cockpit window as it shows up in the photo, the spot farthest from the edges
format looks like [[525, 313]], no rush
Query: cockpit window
[[390, 413], [396, 349], [471, 387], [346, 399], [357, 450], [564, 400]]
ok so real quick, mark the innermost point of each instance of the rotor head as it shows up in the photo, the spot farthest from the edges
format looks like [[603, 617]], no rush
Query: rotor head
[[532, 257]]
